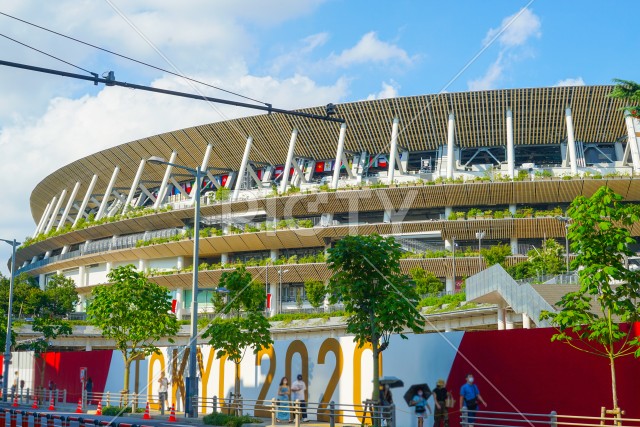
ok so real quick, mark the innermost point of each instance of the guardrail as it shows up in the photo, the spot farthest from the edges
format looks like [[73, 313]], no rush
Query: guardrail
[[483, 418], [26, 396], [42, 419]]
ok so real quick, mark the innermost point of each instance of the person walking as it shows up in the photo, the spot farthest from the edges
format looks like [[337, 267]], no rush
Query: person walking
[[386, 400], [163, 390], [422, 407], [469, 397], [283, 401], [298, 389], [440, 397], [88, 387]]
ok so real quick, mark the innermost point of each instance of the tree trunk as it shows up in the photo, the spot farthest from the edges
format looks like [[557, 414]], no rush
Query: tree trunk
[[614, 391], [236, 388], [376, 370], [125, 388]]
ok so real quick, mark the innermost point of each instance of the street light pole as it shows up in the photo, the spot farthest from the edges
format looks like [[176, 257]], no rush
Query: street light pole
[[191, 404], [566, 220], [453, 261], [7, 344], [480, 235]]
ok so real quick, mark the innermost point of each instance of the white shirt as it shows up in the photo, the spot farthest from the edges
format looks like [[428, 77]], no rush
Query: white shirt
[[164, 385], [298, 387]]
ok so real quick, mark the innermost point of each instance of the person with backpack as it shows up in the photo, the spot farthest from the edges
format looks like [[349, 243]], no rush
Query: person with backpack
[[422, 407], [469, 398]]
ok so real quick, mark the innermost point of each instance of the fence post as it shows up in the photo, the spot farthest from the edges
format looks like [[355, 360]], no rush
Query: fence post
[[240, 408], [28, 394], [134, 403], [332, 414], [108, 398], [553, 419], [273, 412], [296, 413], [214, 403], [464, 420], [24, 416], [392, 409]]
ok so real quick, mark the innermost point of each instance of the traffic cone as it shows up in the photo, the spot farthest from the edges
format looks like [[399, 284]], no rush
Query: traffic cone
[[146, 415], [99, 410], [35, 403], [15, 401], [172, 417], [79, 407], [52, 406]]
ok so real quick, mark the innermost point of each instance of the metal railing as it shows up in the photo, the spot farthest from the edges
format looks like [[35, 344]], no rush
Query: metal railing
[[297, 411], [27, 396], [483, 418]]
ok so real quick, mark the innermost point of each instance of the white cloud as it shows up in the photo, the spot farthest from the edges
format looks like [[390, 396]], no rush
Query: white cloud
[[389, 90], [371, 49], [515, 30], [314, 41], [578, 81], [512, 36]]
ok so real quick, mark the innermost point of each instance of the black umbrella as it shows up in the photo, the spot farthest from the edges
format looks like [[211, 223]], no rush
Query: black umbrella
[[392, 382], [413, 390]]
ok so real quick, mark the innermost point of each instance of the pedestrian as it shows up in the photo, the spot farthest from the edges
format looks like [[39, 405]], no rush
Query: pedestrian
[[88, 387], [386, 400], [469, 397], [14, 387], [298, 388], [422, 407], [163, 390], [283, 401], [440, 397]]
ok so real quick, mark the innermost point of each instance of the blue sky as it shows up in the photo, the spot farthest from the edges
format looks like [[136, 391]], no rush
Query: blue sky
[[290, 53]]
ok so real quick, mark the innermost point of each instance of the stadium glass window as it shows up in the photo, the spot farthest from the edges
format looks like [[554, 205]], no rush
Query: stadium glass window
[[422, 161], [539, 155], [482, 156], [204, 297], [599, 153]]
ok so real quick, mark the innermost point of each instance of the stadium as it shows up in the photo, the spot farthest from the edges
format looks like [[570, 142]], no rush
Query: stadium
[[445, 174]]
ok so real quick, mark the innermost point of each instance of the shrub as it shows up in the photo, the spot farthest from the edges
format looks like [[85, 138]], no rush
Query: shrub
[[117, 410], [229, 420]]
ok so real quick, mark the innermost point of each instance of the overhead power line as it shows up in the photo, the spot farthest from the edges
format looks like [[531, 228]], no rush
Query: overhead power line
[[130, 59], [111, 81]]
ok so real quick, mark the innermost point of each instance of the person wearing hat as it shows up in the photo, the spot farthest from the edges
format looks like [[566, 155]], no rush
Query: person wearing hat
[[440, 396], [298, 389]]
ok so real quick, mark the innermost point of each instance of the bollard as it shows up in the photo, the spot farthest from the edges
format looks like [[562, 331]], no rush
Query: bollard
[[296, 413], [28, 394], [332, 414], [36, 420], [64, 396], [273, 412], [3, 417], [214, 403], [108, 398], [14, 418], [24, 417], [50, 420]]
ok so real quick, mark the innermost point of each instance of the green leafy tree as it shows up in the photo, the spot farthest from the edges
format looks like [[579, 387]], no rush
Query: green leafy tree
[[134, 312], [597, 317], [496, 254], [316, 292], [426, 282], [60, 296], [630, 92], [544, 261], [244, 325], [378, 298]]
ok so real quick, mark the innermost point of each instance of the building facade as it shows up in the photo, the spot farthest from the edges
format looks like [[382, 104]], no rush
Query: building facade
[[445, 174]]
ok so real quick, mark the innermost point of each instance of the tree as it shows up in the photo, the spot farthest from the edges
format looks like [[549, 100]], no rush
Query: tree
[[244, 325], [378, 298], [630, 92], [426, 282], [496, 254], [134, 312], [61, 296], [549, 259], [597, 317], [316, 292]]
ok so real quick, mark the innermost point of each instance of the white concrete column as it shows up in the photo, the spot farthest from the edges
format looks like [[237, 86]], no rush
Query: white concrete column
[[243, 168], [142, 265], [287, 165], [508, 320], [41, 281], [501, 319], [203, 168], [514, 245], [108, 267], [311, 171], [448, 210], [134, 186], [449, 284], [526, 321], [43, 219], [81, 303], [65, 249], [179, 303], [165, 179], [511, 159], [571, 142], [386, 217], [632, 140], [339, 152], [224, 258], [274, 254], [180, 262], [56, 210], [82, 276], [85, 200], [67, 209], [394, 151], [107, 193], [450, 145]]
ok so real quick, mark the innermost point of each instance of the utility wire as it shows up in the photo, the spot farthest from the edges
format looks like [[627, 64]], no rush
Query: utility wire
[[47, 54], [131, 59]]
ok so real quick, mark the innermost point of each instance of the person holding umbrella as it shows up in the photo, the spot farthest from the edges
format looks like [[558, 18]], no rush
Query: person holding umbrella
[[419, 401]]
